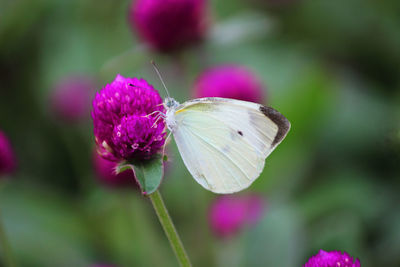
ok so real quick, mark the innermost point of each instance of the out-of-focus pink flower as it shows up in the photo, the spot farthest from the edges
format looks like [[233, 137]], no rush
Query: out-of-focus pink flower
[[332, 259], [70, 98], [230, 81], [123, 126], [255, 208], [169, 25], [229, 214], [7, 157], [105, 172]]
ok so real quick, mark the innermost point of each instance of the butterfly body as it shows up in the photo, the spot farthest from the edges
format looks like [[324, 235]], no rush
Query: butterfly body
[[171, 105], [224, 142]]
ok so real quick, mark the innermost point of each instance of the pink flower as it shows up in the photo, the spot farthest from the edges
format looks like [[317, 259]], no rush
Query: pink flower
[[70, 98], [168, 25], [332, 259], [105, 172], [229, 214], [7, 158], [123, 126], [230, 81]]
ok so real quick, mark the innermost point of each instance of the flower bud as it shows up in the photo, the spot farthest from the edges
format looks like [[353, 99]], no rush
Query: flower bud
[[230, 214], [70, 98], [332, 259], [169, 25]]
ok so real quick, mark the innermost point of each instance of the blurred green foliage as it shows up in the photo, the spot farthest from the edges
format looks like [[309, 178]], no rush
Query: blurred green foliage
[[332, 67]]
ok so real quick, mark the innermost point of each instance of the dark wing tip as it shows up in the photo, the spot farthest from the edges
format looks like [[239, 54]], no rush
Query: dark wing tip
[[280, 120]]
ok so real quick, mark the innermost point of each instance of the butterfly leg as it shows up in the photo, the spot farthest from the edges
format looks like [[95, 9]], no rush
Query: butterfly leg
[[158, 117], [165, 144], [154, 112]]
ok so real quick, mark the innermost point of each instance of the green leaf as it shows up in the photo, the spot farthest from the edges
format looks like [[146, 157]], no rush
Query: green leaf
[[148, 173]]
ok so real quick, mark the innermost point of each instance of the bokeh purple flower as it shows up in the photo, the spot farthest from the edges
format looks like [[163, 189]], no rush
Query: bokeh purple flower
[[332, 259], [106, 175], [169, 25], [70, 98], [229, 214], [230, 81], [7, 157], [123, 126]]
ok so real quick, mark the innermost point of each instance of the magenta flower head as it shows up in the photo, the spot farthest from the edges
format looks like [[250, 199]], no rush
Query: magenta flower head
[[332, 259], [105, 173], [169, 25], [229, 214], [70, 98], [230, 81], [7, 158], [123, 126]]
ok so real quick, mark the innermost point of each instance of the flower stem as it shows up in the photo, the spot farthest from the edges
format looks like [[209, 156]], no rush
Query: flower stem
[[6, 248], [169, 229]]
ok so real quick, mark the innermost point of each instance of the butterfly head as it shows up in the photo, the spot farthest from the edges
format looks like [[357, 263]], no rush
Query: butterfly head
[[170, 103]]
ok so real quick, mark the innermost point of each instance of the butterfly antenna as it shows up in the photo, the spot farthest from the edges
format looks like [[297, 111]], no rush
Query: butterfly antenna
[[159, 75]]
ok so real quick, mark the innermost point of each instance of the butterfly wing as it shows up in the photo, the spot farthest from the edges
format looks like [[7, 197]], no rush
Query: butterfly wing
[[224, 142]]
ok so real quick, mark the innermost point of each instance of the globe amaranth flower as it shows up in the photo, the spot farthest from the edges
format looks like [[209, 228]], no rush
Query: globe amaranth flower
[[7, 157], [70, 98], [229, 214], [169, 25], [230, 81], [105, 173], [332, 259], [125, 120]]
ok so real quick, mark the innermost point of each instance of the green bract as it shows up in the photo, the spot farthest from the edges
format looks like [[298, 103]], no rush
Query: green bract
[[148, 173]]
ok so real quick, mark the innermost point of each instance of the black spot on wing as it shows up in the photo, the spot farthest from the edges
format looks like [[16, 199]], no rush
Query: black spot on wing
[[240, 133], [280, 120]]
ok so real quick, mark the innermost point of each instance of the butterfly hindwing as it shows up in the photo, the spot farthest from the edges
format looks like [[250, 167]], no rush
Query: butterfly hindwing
[[224, 142]]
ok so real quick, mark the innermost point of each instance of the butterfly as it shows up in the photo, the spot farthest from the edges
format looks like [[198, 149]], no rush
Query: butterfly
[[224, 142]]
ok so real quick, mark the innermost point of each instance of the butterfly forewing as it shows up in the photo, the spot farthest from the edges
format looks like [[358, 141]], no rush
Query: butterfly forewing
[[224, 142]]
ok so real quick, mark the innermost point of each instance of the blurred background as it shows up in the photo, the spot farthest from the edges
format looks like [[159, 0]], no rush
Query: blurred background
[[331, 67]]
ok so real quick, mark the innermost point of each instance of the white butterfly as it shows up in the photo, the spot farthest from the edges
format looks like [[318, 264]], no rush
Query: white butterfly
[[224, 142]]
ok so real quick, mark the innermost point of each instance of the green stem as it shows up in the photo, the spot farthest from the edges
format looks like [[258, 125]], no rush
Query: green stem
[[169, 229], [5, 245]]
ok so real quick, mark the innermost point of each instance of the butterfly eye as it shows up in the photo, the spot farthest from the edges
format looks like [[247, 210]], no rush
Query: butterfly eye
[[170, 102]]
